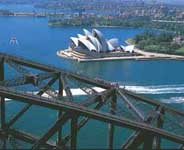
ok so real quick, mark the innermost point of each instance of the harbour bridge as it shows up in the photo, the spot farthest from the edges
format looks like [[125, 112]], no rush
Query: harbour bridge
[[32, 83]]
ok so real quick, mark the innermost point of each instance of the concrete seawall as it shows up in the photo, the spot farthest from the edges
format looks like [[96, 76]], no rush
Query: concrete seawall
[[143, 56]]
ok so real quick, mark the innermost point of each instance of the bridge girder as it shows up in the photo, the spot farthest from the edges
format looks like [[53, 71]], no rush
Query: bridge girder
[[148, 129]]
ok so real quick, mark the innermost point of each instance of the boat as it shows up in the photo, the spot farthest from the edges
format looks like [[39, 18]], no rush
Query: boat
[[13, 41]]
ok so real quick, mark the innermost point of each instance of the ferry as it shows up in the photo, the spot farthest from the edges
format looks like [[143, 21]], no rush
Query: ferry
[[13, 41]]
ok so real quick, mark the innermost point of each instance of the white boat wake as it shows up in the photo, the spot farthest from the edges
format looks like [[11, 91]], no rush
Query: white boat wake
[[171, 100], [157, 89], [161, 89]]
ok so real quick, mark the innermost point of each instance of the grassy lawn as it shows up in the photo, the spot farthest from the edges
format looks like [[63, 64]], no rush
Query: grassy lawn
[[181, 50], [131, 41]]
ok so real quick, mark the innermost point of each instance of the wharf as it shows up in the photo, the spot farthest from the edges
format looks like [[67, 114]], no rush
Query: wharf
[[70, 54]]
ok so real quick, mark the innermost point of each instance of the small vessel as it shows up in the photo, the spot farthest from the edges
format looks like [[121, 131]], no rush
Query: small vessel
[[13, 41]]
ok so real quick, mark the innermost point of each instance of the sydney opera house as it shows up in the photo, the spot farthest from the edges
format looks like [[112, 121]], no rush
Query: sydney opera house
[[95, 42], [93, 46]]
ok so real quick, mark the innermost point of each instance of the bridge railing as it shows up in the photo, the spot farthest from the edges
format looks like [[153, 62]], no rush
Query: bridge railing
[[128, 99]]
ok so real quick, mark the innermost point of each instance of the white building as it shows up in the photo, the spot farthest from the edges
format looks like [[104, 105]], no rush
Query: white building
[[95, 41]]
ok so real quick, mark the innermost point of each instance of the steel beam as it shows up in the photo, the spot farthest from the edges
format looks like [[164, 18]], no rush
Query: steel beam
[[83, 111], [138, 138], [36, 65], [4, 144], [51, 131], [14, 82], [25, 108], [149, 131], [89, 91], [102, 96], [74, 130], [30, 77], [23, 80], [181, 147], [152, 102], [2, 103], [135, 139], [55, 103], [2, 100], [28, 138], [82, 122], [81, 78], [159, 124], [18, 115], [148, 142], [66, 87], [105, 95], [59, 137], [47, 86], [135, 110], [111, 126]]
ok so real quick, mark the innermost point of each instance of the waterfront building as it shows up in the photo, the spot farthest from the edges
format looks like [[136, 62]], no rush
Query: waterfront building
[[129, 48], [178, 40], [95, 41]]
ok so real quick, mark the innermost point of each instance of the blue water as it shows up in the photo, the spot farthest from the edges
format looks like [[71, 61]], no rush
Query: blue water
[[21, 8], [162, 80], [32, 8], [39, 42]]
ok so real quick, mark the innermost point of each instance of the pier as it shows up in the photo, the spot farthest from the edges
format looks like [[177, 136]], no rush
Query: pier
[[150, 121]]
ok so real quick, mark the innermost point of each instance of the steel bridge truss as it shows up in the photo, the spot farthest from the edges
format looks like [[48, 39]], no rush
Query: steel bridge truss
[[150, 121]]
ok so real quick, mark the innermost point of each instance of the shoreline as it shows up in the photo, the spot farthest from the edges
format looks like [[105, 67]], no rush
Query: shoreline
[[67, 54], [146, 53], [140, 55], [45, 15]]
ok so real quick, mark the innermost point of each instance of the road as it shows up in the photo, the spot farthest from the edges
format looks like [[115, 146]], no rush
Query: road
[[159, 55]]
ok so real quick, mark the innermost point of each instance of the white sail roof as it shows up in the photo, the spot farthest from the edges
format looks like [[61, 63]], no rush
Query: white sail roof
[[114, 42], [75, 41], [97, 33], [123, 47], [99, 36], [129, 48], [87, 44], [110, 47], [81, 36], [95, 42], [86, 32]]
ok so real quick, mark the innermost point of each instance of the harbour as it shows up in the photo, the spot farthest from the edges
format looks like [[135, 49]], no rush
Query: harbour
[[142, 74]]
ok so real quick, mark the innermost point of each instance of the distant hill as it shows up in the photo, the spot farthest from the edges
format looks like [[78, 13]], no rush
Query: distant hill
[[175, 2]]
